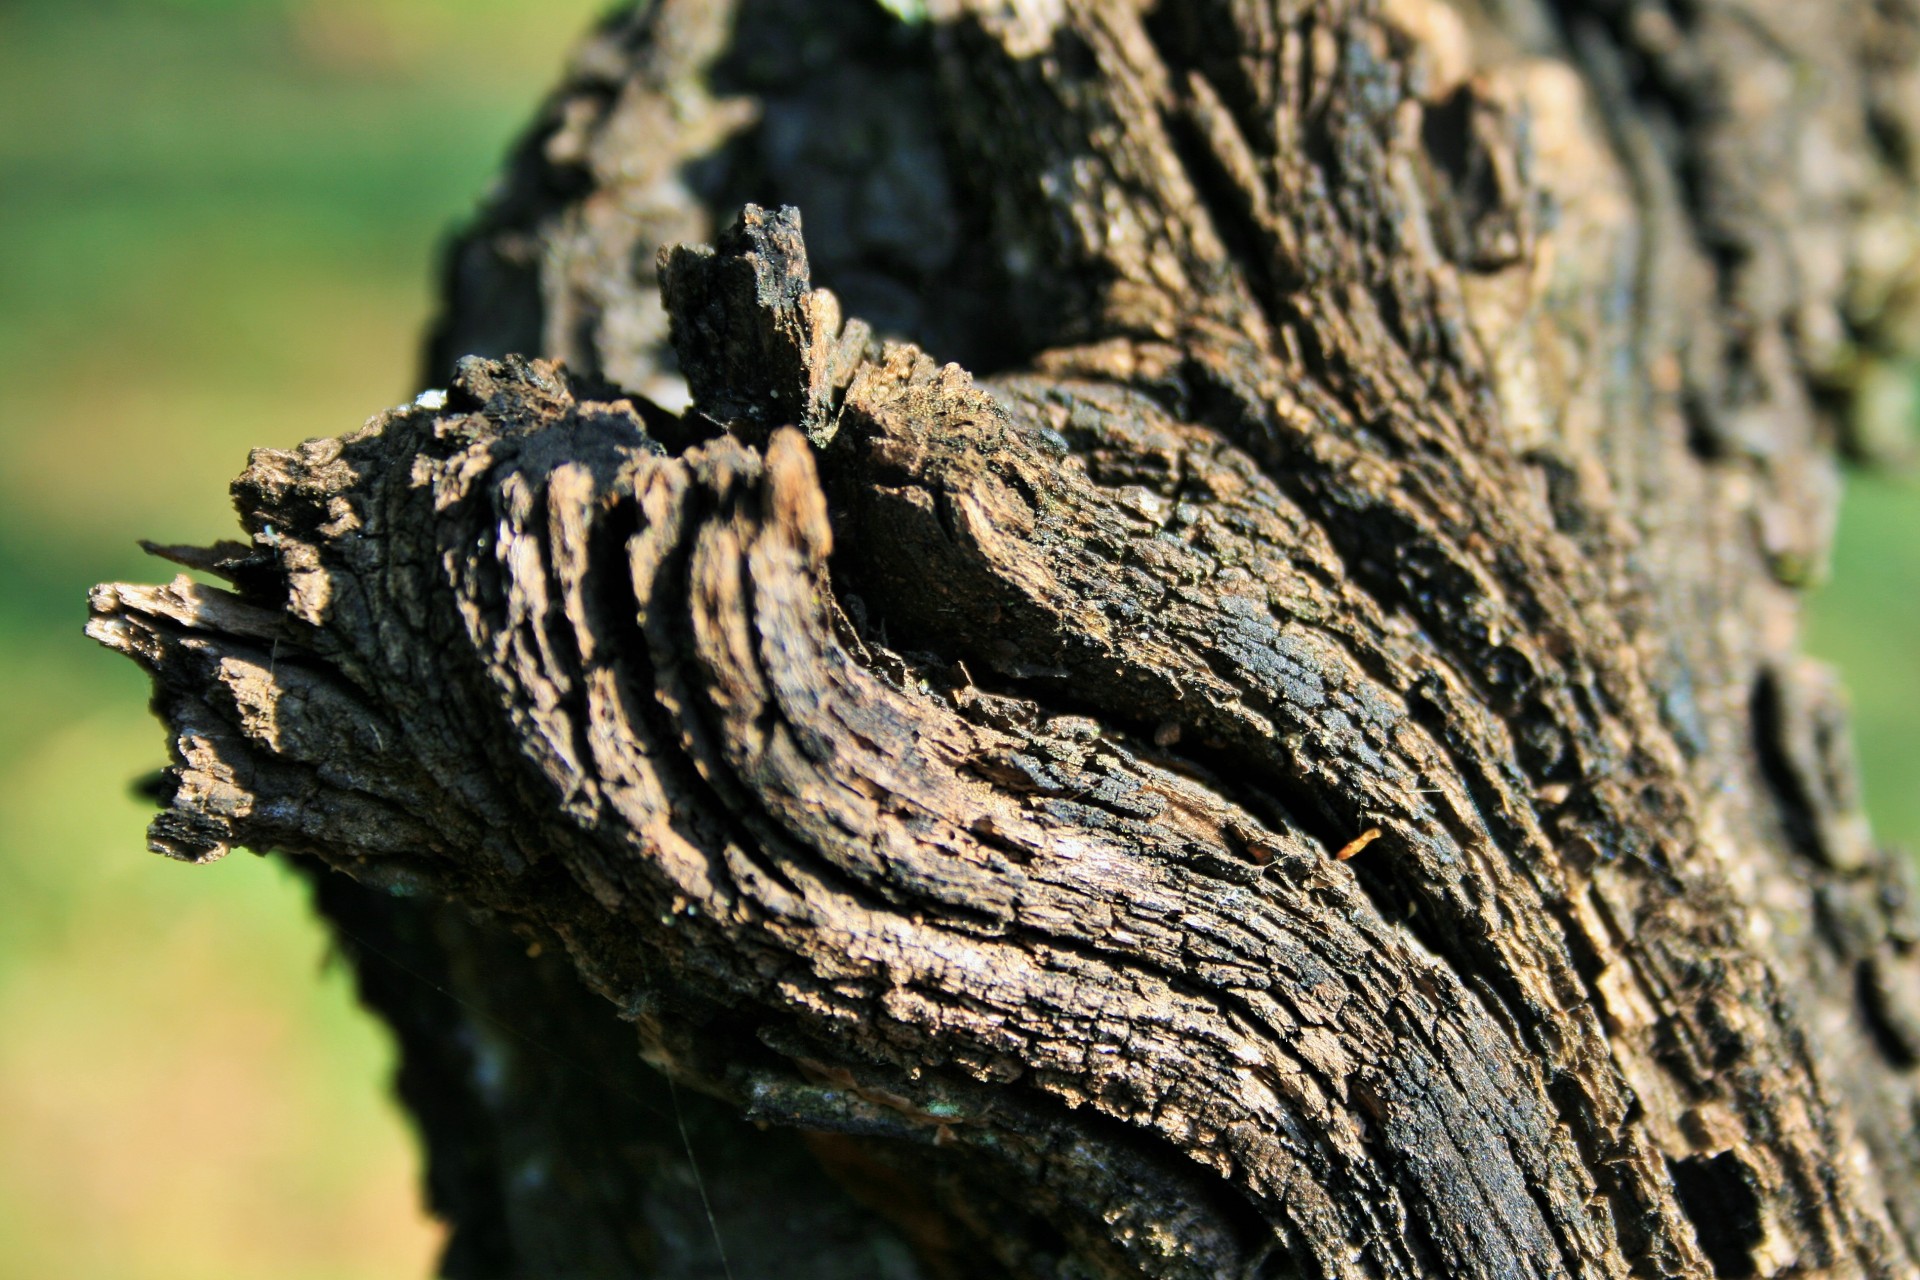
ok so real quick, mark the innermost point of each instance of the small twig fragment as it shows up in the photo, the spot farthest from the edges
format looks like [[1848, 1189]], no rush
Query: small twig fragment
[[1356, 844]]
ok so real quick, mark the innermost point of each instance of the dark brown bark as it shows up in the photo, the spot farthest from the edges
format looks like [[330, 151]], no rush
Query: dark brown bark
[[1396, 431]]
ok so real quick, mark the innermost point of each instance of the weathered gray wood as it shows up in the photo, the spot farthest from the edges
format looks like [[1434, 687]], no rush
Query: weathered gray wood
[[1394, 431]]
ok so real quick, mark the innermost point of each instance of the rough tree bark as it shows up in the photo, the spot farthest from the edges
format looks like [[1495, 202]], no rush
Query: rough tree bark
[[1289, 758]]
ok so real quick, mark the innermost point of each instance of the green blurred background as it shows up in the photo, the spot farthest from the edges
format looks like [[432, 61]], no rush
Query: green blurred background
[[217, 230]]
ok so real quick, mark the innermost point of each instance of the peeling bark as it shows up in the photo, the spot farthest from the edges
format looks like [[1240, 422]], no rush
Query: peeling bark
[[1294, 764]]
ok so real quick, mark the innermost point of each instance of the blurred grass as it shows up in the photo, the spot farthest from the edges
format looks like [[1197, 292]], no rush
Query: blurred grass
[[216, 222], [1867, 620]]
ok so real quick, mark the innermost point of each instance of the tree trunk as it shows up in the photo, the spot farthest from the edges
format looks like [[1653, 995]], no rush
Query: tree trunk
[[1288, 759]]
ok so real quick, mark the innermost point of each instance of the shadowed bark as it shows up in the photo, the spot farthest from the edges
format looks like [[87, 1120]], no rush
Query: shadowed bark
[[1289, 758]]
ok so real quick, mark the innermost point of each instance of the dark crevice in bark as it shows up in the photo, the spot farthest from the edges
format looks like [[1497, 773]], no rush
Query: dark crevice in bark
[[1896, 1042], [1725, 1210]]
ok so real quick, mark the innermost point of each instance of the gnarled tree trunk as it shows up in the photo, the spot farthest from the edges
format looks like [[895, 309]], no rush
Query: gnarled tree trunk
[[1289, 758]]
